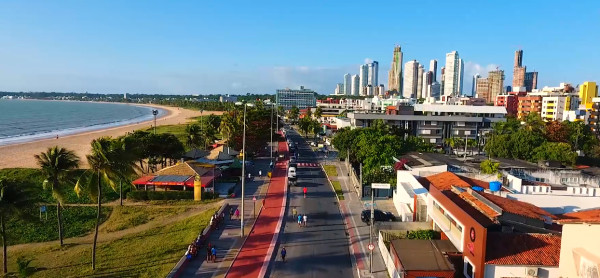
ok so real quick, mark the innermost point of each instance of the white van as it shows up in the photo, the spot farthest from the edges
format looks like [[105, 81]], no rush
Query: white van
[[292, 172]]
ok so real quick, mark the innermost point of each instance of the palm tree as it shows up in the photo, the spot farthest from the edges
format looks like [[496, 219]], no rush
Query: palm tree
[[110, 161], [318, 113], [57, 165], [14, 199], [193, 137]]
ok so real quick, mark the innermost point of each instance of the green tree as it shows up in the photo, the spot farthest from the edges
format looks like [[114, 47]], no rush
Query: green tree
[[315, 127], [511, 125], [193, 136], [14, 200], [294, 113], [110, 161], [534, 123], [209, 135], [557, 131], [489, 167], [213, 121], [523, 143], [557, 151], [499, 146], [305, 125], [57, 165], [318, 113]]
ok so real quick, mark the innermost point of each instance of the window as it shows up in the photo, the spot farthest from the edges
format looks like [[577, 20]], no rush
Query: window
[[469, 270], [459, 227]]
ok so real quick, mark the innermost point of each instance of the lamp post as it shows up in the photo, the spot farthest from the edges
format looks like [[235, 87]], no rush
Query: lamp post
[[271, 146], [154, 112], [243, 168]]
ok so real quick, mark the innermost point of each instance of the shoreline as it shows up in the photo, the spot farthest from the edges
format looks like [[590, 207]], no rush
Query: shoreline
[[20, 155]]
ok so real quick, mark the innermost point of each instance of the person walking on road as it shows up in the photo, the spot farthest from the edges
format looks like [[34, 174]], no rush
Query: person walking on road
[[260, 173], [213, 251], [299, 220], [305, 190], [283, 253], [304, 220], [294, 212], [208, 252], [237, 213], [231, 212]]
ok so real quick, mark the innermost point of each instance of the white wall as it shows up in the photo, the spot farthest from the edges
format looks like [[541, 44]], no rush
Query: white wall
[[558, 204], [387, 259], [428, 171], [407, 186], [493, 271], [579, 243]]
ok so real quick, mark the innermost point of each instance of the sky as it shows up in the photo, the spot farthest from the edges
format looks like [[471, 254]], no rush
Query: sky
[[238, 47]]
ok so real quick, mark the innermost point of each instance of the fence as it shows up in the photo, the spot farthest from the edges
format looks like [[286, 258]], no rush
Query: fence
[[354, 178], [388, 260]]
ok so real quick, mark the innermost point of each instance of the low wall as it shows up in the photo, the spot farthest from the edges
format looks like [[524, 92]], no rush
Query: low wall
[[387, 258], [176, 271]]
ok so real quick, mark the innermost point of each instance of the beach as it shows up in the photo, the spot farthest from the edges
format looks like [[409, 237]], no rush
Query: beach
[[21, 155]]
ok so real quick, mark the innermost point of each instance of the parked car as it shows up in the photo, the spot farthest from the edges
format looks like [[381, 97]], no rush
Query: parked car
[[292, 172], [365, 216]]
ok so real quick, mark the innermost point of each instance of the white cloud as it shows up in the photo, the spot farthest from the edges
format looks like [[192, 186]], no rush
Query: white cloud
[[368, 60]]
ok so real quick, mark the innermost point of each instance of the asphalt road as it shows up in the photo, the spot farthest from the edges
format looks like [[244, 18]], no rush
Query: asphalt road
[[320, 249]]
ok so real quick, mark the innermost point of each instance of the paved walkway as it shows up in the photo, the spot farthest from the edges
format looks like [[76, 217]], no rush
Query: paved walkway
[[255, 253]]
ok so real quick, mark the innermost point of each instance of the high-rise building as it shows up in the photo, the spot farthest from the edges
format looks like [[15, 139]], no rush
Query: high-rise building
[[433, 69], [453, 74], [339, 89], [303, 98], [519, 76], [587, 91], [380, 90], [355, 87], [519, 58], [434, 90], [411, 72], [426, 82], [443, 77], [420, 86], [483, 89], [474, 85], [369, 90], [461, 71], [496, 84], [363, 76], [373, 74], [531, 80], [347, 84], [395, 73]]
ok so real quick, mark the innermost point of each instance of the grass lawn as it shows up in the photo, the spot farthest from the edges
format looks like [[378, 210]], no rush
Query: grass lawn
[[177, 130], [331, 170], [150, 253], [338, 189], [129, 216], [77, 221]]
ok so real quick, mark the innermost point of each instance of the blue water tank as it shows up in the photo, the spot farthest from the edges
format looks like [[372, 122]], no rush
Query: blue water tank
[[495, 186], [477, 188]]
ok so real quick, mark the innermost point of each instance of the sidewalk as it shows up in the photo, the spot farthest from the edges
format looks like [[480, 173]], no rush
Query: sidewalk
[[351, 208], [227, 239], [257, 249]]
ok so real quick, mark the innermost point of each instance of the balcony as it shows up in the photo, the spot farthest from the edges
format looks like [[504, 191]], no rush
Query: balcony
[[453, 233]]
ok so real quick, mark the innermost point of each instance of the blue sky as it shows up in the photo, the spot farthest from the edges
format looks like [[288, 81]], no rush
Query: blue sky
[[191, 47]]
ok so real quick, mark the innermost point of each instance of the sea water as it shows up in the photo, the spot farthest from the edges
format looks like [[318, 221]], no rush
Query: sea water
[[29, 120]]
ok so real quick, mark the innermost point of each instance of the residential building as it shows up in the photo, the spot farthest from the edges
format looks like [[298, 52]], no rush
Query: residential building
[[452, 76], [496, 84], [364, 77], [587, 91], [474, 85], [461, 71], [594, 116], [381, 90], [347, 84], [443, 77], [433, 70], [355, 87], [483, 88], [420, 87], [434, 90], [435, 122], [302, 98], [528, 104], [580, 247], [511, 101], [373, 73], [411, 71], [423, 258], [426, 82], [369, 90], [518, 77], [498, 237], [395, 73], [339, 89], [227, 98], [531, 80]]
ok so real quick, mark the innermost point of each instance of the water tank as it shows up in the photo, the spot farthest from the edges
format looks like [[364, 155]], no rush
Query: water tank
[[495, 186]]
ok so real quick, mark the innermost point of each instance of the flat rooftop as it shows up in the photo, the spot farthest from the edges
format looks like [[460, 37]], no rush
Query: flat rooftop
[[425, 255]]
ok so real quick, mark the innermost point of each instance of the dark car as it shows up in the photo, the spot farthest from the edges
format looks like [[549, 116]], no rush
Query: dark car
[[365, 216]]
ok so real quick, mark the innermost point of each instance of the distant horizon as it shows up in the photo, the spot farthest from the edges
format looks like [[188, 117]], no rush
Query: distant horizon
[[237, 47]]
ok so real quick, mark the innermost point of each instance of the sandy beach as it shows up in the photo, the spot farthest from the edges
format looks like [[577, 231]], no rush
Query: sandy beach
[[21, 155]]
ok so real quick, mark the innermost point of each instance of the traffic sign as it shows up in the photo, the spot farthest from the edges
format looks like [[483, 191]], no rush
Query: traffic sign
[[371, 246]]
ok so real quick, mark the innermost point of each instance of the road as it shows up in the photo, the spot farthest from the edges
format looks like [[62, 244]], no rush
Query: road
[[320, 249]]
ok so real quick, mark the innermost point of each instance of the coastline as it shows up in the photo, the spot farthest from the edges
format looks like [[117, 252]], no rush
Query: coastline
[[21, 154]]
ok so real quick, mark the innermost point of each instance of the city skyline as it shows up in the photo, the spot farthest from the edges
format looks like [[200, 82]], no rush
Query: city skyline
[[149, 48]]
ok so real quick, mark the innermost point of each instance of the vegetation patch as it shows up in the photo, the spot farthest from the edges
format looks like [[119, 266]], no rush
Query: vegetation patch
[[151, 253], [338, 189], [130, 216], [331, 170]]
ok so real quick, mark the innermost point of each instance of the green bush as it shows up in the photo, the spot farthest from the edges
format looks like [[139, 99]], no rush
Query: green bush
[[141, 195], [423, 234]]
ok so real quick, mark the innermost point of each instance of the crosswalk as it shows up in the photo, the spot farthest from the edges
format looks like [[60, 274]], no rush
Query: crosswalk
[[308, 165]]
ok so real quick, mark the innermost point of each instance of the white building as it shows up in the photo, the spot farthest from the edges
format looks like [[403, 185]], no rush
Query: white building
[[454, 70], [420, 87], [411, 71], [373, 73], [433, 69], [355, 87], [347, 84], [363, 76]]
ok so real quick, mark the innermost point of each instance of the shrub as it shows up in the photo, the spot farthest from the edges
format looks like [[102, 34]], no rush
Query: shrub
[[141, 195], [423, 234]]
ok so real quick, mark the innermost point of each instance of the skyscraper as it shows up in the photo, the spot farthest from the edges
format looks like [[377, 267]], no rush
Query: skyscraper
[[496, 84], [395, 73], [443, 77], [347, 84], [339, 89], [433, 69], [531, 80], [420, 87], [434, 90], [363, 76], [519, 58], [461, 71], [453, 75], [427, 76], [373, 74], [355, 87], [474, 85], [411, 70]]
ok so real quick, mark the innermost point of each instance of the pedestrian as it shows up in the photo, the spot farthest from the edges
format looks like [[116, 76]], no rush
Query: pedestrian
[[294, 212], [231, 211], [299, 220], [260, 173], [213, 251], [208, 250], [237, 213], [283, 253], [304, 218], [249, 176], [212, 218]]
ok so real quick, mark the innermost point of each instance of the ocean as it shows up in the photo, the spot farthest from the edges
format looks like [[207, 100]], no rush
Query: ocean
[[30, 120]]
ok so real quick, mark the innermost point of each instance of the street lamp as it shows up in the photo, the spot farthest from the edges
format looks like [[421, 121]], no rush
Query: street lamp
[[243, 166], [154, 112]]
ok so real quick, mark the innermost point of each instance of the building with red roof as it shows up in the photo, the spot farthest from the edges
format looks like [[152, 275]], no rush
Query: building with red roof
[[498, 237], [580, 246]]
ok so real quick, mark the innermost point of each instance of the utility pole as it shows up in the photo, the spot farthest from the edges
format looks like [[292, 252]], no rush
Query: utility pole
[[371, 228], [243, 172], [361, 180], [466, 142], [154, 112], [271, 146]]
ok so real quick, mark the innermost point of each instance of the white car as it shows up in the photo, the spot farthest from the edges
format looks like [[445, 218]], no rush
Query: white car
[[292, 172]]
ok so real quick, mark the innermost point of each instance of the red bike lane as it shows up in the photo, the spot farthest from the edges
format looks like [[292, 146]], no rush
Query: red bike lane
[[254, 255]]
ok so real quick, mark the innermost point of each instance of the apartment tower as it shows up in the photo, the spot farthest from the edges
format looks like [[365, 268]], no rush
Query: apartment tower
[[395, 73], [411, 72]]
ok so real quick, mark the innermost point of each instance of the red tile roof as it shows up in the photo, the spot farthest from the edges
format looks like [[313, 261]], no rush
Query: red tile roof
[[480, 206], [444, 181], [518, 207], [522, 249], [587, 216]]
